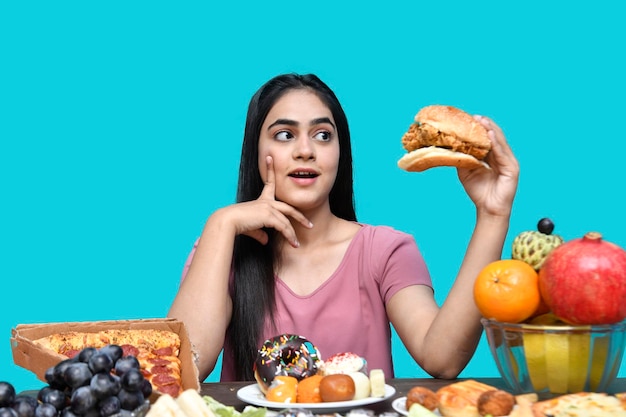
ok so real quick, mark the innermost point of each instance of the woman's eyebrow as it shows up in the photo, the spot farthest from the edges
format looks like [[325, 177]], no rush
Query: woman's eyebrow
[[289, 122], [322, 120]]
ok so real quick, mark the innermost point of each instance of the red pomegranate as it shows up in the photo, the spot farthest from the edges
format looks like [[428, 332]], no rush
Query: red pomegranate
[[583, 281]]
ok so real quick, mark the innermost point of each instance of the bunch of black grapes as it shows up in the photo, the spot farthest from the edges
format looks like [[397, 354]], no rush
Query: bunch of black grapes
[[95, 383]]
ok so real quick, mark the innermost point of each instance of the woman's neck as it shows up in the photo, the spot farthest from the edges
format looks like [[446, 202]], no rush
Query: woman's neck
[[323, 226]]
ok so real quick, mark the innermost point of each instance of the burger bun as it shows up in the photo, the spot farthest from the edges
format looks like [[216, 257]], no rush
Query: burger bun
[[432, 156]]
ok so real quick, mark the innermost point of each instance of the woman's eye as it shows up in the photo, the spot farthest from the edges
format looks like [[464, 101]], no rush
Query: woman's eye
[[323, 136], [283, 135]]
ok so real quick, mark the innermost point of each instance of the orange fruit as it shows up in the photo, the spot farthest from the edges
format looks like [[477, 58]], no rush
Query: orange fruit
[[282, 389], [309, 390], [507, 290]]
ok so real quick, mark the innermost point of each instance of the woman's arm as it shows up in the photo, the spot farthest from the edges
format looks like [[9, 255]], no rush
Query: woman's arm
[[443, 340], [203, 301]]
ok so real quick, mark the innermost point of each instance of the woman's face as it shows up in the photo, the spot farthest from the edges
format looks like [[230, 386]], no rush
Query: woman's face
[[299, 133]]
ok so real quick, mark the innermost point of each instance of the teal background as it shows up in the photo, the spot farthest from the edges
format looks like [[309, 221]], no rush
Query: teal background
[[121, 124]]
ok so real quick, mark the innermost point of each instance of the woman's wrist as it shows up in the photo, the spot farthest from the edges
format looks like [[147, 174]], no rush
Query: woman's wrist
[[489, 217], [220, 223], [492, 226]]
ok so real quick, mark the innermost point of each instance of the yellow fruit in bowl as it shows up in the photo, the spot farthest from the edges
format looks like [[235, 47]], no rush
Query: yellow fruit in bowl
[[600, 354], [566, 361], [534, 351], [558, 361]]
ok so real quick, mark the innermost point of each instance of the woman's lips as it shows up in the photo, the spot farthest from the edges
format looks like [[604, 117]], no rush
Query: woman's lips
[[303, 176]]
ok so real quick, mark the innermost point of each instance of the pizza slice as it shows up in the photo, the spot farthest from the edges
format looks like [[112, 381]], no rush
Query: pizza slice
[[582, 404], [162, 369], [156, 350]]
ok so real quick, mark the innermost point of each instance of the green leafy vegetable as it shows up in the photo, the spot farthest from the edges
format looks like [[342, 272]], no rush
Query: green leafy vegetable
[[222, 410]]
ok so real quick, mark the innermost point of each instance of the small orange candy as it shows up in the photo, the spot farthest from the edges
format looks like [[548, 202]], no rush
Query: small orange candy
[[283, 389], [507, 290], [309, 390]]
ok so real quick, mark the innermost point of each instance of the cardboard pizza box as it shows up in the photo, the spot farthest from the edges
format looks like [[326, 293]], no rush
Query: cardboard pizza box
[[29, 355]]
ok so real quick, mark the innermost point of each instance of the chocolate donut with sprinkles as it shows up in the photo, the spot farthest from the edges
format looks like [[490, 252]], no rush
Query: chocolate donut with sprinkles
[[286, 354]]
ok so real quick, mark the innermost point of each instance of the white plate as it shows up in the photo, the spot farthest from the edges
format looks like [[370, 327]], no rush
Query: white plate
[[399, 404], [253, 395]]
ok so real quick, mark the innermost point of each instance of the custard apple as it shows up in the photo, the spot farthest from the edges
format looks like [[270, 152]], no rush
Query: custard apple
[[533, 246]]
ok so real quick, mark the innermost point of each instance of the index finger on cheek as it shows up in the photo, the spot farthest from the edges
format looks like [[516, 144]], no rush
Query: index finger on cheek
[[269, 170]]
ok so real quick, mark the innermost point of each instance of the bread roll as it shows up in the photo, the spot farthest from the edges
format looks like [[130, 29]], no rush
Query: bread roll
[[337, 387], [496, 403], [422, 396], [460, 399]]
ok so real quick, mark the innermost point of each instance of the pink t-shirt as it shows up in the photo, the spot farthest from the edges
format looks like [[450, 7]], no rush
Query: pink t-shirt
[[347, 312]]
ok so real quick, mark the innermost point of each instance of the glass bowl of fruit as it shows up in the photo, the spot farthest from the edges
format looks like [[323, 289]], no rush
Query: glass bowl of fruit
[[551, 358], [555, 314]]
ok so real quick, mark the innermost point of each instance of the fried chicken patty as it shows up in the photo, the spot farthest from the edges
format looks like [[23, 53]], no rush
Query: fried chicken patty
[[423, 135]]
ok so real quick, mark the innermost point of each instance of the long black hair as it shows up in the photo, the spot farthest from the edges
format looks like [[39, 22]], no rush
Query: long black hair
[[253, 263]]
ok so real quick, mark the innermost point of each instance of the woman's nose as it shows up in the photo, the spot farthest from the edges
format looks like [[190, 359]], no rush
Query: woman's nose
[[304, 148]]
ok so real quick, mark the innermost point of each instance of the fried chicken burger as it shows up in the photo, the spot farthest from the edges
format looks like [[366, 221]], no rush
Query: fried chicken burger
[[444, 136]]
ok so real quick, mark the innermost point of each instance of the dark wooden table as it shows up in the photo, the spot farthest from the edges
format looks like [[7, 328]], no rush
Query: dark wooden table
[[226, 393]]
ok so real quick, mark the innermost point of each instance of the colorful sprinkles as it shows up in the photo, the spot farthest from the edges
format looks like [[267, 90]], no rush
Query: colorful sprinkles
[[287, 354]]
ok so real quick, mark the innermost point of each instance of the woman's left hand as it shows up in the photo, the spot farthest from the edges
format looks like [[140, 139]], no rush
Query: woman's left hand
[[493, 190]]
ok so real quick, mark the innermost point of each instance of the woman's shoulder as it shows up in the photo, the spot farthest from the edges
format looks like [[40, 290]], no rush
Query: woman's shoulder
[[382, 237], [393, 257]]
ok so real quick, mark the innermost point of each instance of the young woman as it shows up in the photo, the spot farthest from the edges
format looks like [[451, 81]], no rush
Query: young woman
[[289, 256]]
